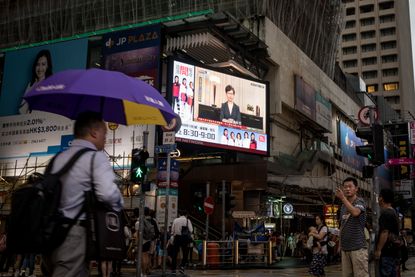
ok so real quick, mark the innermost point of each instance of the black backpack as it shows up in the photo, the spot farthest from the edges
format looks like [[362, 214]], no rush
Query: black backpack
[[35, 223]]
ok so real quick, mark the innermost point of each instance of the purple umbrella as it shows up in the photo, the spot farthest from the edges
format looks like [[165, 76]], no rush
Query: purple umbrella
[[118, 97]]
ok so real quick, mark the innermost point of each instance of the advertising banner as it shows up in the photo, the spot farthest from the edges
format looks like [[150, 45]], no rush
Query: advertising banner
[[135, 52], [323, 111], [23, 68], [161, 206], [162, 173], [348, 143], [35, 137], [312, 103], [305, 98], [218, 109]]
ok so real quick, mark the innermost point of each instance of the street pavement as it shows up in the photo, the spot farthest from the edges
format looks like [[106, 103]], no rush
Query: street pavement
[[287, 267]]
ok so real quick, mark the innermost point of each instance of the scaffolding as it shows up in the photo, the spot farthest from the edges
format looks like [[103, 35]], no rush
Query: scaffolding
[[314, 25]]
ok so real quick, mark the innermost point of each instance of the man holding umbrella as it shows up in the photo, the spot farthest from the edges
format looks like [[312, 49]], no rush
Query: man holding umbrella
[[90, 131]]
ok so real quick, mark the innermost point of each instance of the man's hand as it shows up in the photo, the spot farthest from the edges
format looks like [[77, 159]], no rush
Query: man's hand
[[339, 193]]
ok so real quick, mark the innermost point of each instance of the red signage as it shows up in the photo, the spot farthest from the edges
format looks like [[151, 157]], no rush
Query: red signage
[[400, 161], [208, 205]]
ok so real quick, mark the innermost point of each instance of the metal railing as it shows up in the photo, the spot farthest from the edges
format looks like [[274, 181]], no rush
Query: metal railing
[[236, 252]]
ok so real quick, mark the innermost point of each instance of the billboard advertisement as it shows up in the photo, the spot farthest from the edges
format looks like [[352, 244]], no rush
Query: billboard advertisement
[[34, 137], [312, 103], [348, 143], [218, 109], [24, 68], [134, 52]]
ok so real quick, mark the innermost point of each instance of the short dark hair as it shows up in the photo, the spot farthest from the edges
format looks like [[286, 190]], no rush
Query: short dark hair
[[229, 88], [321, 216], [85, 122], [387, 195], [350, 179]]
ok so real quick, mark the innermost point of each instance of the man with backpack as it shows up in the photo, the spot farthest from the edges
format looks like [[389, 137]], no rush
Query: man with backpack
[[182, 229], [68, 259]]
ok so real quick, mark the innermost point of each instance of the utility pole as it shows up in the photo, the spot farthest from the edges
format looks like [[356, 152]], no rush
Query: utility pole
[[139, 248], [376, 190]]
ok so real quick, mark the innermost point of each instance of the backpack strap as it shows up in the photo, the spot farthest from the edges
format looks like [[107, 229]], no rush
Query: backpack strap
[[71, 162]]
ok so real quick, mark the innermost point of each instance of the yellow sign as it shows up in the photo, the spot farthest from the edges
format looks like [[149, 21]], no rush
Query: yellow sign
[[112, 126]]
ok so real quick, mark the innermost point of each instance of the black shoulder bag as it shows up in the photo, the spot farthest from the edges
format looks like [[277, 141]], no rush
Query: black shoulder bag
[[105, 233]]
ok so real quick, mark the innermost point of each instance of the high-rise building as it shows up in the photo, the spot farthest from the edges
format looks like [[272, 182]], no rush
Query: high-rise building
[[376, 44]]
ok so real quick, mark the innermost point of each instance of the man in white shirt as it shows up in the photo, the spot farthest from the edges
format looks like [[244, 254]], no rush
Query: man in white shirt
[[180, 241], [90, 131]]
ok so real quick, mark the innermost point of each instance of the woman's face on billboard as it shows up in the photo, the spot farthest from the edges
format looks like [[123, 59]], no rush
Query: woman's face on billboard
[[41, 67], [230, 95]]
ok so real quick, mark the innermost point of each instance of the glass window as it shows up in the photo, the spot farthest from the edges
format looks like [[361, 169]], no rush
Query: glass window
[[350, 63], [349, 50], [388, 45], [389, 58], [372, 88], [368, 34], [350, 11], [350, 24], [349, 37], [369, 47], [386, 5], [387, 18], [367, 8], [390, 72], [370, 74], [367, 21], [369, 61], [390, 86], [387, 31]]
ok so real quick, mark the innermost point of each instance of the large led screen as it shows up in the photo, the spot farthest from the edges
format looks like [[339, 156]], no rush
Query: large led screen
[[218, 109]]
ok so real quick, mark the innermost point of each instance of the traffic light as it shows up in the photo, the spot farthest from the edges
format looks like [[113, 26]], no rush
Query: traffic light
[[138, 165], [230, 203], [374, 149]]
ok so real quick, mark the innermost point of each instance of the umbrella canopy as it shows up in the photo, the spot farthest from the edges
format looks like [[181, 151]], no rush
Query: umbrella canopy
[[119, 98]]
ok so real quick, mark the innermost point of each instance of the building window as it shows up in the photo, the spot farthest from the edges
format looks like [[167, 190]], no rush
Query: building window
[[390, 72], [367, 21], [390, 86], [367, 8], [350, 11], [372, 88], [349, 37], [348, 1], [369, 61], [350, 24], [369, 47], [350, 63], [387, 31], [370, 74], [367, 34], [388, 45], [392, 99], [389, 58], [387, 18], [386, 5], [349, 50]]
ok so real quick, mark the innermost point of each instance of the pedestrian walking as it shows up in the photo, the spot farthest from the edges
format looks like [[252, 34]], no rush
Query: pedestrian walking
[[319, 259], [69, 259], [387, 251], [354, 253], [181, 229]]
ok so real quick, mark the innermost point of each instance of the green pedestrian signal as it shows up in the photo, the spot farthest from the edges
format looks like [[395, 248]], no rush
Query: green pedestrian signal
[[138, 165]]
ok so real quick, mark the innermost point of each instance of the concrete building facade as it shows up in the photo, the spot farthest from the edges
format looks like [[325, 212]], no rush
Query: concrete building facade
[[376, 44]]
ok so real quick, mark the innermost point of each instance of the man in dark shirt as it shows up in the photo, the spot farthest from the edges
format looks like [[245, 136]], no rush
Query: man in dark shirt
[[352, 236], [386, 251]]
